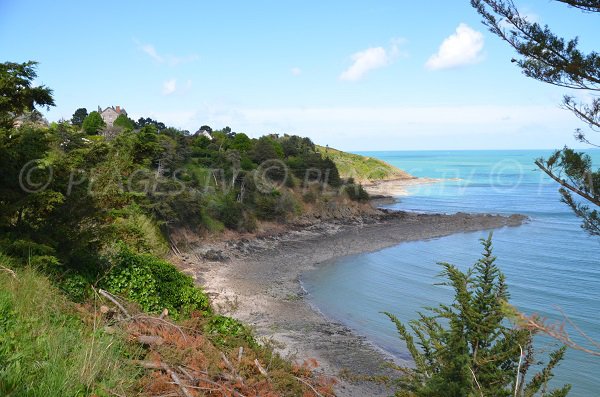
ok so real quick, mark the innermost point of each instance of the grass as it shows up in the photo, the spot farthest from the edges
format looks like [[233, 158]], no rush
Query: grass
[[362, 169], [47, 350], [50, 346]]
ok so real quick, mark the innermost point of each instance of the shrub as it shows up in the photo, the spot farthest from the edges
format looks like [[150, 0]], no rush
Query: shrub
[[468, 348], [24, 249], [75, 286], [356, 192], [154, 284], [226, 330], [138, 230]]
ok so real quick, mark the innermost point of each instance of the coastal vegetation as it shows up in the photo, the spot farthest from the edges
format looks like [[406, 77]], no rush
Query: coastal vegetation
[[362, 169], [88, 216], [470, 348]]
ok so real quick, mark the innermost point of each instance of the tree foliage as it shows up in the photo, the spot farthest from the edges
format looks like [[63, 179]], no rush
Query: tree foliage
[[93, 123], [549, 58], [124, 122], [17, 95], [79, 116], [467, 348]]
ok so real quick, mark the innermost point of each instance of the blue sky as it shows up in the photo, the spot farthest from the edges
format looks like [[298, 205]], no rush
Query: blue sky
[[379, 75]]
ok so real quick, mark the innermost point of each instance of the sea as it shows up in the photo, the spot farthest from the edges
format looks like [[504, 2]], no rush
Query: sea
[[552, 266]]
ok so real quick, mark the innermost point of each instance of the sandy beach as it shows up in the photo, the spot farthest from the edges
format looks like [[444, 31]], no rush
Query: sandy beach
[[397, 187], [258, 282]]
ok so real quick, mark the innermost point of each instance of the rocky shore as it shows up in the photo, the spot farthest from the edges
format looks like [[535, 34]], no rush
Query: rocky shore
[[257, 280]]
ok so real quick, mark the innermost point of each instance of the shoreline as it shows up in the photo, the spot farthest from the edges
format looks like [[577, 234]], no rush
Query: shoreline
[[260, 284], [393, 188]]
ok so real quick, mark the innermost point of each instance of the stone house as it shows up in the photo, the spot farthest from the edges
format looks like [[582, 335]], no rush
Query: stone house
[[110, 114]]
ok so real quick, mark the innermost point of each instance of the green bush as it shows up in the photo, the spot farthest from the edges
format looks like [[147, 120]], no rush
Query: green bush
[[227, 331], [154, 284], [356, 192], [470, 348], [75, 286], [25, 249], [138, 230]]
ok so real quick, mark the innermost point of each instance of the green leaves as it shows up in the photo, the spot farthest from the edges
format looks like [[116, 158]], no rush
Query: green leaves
[[467, 348], [93, 123], [154, 284], [17, 94]]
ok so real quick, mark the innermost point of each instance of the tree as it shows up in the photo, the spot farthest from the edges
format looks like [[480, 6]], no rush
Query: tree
[[17, 96], [553, 60], [93, 123], [124, 122], [467, 348], [79, 116], [142, 122]]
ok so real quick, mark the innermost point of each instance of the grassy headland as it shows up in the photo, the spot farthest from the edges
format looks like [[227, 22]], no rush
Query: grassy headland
[[361, 168]]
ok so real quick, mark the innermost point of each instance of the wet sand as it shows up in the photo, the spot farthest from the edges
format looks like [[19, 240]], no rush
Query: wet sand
[[259, 284]]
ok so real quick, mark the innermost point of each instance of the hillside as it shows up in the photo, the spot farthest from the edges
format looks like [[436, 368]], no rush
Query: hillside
[[362, 169]]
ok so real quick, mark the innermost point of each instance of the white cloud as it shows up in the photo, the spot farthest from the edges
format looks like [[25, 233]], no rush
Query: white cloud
[[151, 51], [371, 59], [167, 59], [169, 87], [463, 47], [296, 71]]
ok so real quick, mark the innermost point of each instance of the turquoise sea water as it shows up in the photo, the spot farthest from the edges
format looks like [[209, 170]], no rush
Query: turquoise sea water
[[550, 263]]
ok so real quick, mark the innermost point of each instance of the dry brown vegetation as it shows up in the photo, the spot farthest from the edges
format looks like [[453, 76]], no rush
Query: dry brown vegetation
[[180, 359]]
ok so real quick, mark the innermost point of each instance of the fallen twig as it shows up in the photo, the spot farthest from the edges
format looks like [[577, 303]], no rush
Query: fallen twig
[[176, 379], [309, 385], [111, 298], [260, 368], [186, 373], [240, 353]]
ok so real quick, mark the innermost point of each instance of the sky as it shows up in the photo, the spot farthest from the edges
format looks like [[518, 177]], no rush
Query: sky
[[355, 75]]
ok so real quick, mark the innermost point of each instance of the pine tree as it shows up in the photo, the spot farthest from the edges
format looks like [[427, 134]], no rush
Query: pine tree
[[553, 60], [468, 348]]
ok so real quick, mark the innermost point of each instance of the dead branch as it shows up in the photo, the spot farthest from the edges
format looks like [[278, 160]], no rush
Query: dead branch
[[260, 368], [164, 314], [147, 364], [186, 373], [176, 379], [557, 332], [218, 385], [113, 299], [240, 353], [144, 317], [232, 369], [309, 385]]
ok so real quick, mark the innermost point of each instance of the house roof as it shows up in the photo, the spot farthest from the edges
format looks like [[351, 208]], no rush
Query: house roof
[[117, 111]]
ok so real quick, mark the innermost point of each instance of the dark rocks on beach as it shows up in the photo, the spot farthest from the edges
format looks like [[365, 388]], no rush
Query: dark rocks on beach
[[215, 256]]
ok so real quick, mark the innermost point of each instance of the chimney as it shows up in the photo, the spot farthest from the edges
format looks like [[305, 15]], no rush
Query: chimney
[[118, 109]]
